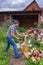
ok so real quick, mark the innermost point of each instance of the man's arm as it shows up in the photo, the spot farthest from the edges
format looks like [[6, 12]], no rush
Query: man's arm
[[12, 35], [20, 34]]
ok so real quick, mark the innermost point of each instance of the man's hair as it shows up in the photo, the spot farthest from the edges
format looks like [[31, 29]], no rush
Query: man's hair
[[16, 21]]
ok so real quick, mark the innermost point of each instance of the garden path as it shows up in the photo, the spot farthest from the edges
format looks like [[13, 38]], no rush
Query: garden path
[[19, 61]]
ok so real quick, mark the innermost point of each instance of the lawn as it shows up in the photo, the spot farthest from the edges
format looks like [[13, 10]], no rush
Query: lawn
[[4, 59]]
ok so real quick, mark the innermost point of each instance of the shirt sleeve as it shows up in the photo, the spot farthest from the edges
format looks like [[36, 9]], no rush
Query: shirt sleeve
[[12, 30]]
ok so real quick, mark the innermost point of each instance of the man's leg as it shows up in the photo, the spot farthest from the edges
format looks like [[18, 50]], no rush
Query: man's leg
[[8, 46], [16, 50], [12, 42]]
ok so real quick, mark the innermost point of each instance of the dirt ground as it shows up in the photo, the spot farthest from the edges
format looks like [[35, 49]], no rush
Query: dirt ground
[[19, 61]]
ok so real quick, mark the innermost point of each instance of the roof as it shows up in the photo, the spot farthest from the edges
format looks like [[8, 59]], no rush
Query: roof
[[31, 4], [21, 12]]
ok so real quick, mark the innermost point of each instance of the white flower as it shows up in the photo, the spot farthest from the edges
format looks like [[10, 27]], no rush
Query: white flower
[[30, 45], [18, 46], [33, 59], [42, 42], [29, 41]]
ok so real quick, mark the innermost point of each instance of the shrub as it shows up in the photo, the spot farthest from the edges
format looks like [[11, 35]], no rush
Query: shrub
[[21, 30], [40, 26], [6, 25], [3, 30], [35, 42]]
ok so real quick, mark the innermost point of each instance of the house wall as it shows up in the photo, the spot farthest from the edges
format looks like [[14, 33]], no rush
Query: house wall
[[1, 18], [26, 21], [6, 17], [42, 12], [40, 17]]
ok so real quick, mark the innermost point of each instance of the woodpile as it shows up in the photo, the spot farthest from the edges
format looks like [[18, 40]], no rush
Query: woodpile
[[37, 33]]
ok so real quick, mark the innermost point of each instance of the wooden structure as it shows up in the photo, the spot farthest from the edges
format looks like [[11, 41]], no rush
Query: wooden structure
[[29, 17]]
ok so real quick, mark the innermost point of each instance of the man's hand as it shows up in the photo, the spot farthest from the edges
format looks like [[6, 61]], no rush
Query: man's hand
[[18, 38]]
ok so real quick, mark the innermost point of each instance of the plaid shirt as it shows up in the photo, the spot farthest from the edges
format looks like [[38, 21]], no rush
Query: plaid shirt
[[12, 28]]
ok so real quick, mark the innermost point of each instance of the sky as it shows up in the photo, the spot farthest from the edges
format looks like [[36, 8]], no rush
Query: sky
[[17, 4]]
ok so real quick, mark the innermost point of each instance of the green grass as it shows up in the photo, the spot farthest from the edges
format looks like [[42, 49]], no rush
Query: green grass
[[4, 58], [30, 62]]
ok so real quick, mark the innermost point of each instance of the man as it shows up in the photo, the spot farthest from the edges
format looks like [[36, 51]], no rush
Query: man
[[10, 35]]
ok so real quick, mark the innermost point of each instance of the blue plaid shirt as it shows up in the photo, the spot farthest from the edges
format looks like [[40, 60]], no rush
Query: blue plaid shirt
[[12, 28]]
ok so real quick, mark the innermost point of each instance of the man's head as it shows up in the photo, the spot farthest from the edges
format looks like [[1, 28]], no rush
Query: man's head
[[16, 23]]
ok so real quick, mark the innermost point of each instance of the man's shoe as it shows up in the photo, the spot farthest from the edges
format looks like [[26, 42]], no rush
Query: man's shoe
[[21, 55]]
